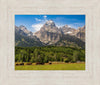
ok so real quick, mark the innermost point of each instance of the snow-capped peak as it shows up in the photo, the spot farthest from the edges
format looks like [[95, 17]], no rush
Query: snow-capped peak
[[69, 32], [50, 22]]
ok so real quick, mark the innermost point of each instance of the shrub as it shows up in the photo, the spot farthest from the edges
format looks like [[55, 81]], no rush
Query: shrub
[[29, 63]]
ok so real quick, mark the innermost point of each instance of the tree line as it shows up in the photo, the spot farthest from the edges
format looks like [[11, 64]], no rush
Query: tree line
[[49, 53]]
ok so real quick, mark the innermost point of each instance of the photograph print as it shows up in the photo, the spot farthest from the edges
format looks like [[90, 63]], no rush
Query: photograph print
[[50, 42]]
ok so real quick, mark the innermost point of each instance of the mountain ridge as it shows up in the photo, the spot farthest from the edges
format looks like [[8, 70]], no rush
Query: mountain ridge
[[50, 34]]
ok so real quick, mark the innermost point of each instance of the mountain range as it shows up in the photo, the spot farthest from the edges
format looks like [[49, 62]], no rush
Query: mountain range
[[50, 34]]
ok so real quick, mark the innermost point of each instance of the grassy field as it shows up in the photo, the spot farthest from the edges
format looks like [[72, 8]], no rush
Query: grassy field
[[65, 66]]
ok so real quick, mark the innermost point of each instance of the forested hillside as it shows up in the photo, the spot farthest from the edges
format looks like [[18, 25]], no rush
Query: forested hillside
[[49, 53]]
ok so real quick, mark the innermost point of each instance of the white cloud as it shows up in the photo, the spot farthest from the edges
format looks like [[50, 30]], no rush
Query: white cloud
[[38, 19], [69, 26], [37, 27], [41, 20], [45, 16]]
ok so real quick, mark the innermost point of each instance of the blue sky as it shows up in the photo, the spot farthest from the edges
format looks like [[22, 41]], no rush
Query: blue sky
[[35, 22]]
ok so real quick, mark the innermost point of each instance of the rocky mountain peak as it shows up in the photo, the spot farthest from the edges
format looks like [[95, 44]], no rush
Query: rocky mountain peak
[[16, 28], [66, 26], [81, 29], [50, 23], [68, 30], [22, 27], [49, 26], [49, 33], [22, 30], [81, 33]]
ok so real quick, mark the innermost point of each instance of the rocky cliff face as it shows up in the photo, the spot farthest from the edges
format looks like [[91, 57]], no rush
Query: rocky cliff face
[[49, 33], [81, 33], [68, 30], [49, 26], [22, 30]]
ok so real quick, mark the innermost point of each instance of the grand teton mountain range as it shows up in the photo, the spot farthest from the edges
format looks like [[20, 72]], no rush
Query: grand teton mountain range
[[50, 34]]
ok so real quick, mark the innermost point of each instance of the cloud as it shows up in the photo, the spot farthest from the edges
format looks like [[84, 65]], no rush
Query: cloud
[[69, 26], [45, 18], [41, 20], [38, 19], [37, 27]]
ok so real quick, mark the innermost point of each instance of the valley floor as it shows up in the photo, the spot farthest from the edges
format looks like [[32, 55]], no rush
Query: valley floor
[[64, 66]]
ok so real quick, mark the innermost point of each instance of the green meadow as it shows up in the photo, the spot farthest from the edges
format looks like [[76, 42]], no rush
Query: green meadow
[[64, 66]]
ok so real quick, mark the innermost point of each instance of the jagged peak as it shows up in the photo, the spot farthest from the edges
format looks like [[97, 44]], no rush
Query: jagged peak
[[81, 28], [50, 22], [66, 26], [22, 26]]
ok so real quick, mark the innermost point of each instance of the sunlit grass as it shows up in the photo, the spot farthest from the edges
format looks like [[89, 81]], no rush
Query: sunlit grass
[[69, 66]]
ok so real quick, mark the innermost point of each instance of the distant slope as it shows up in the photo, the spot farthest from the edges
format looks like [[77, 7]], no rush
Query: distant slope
[[25, 38], [24, 41], [70, 41]]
